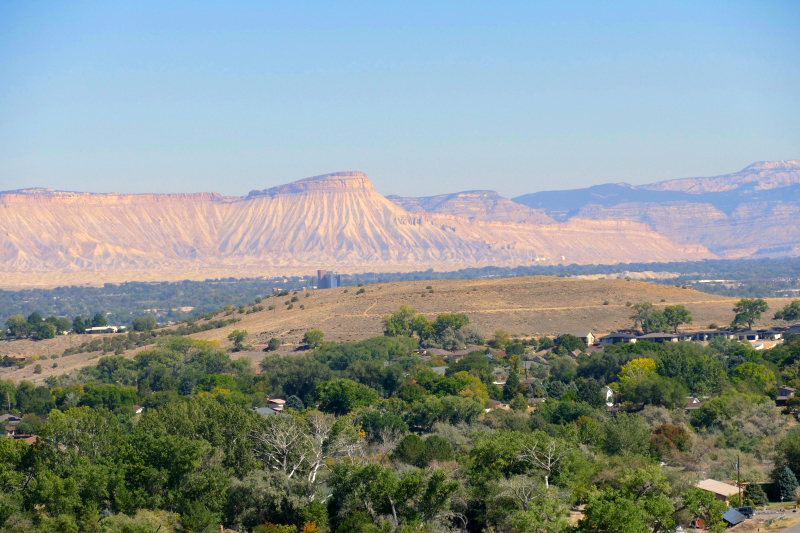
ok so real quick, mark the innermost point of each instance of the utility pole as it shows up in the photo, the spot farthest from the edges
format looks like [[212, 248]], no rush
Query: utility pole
[[738, 480]]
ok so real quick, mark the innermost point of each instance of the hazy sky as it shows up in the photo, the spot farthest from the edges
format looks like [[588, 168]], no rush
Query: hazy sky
[[424, 97]]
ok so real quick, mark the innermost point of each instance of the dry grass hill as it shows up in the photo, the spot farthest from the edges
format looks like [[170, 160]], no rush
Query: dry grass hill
[[521, 306]]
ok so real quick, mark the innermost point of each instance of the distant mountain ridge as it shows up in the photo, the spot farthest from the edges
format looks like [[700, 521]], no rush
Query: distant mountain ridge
[[751, 213], [336, 220]]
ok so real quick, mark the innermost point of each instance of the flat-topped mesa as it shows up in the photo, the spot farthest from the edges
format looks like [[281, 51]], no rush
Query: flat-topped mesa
[[337, 181], [41, 195]]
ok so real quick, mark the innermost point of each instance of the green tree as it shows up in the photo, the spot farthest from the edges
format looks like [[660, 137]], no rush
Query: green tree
[[145, 323], [44, 331], [238, 337], [571, 343], [17, 326], [748, 311], [675, 315], [787, 485], [590, 391], [501, 338], [648, 318], [78, 325], [273, 344], [518, 403], [99, 321], [755, 494], [787, 454], [626, 433], [563, 368], [341, 396], [511, 387], [759, 374], [399, 322], [293, 402], [790, 312], [313, 338]]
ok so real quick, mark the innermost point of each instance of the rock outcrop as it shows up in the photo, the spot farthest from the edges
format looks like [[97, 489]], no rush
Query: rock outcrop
[[338, 220]]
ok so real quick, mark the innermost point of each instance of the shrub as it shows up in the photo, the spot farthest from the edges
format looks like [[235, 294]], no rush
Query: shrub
[[273, 344]]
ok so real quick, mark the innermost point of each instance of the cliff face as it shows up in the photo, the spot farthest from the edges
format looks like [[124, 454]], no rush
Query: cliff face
[[752, 213], [337, 220]]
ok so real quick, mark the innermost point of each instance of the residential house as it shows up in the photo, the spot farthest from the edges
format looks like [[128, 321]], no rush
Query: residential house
[[102, 329], [528, 382], [265, 411], [587, 337], [276, 404], [692, 403], [721, 491], [701, 336], [748, 335], [439, 370], [660, 338], [617, 338], [784, 393]]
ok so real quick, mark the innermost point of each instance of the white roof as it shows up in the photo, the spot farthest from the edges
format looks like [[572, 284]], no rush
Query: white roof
[[717, 487]]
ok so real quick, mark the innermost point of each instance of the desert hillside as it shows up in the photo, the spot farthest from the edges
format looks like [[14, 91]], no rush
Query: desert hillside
[[521, 306], [337, 220]]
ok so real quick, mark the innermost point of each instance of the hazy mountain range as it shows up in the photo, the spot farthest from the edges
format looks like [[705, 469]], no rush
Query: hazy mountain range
[[340, 221], [752, 213]]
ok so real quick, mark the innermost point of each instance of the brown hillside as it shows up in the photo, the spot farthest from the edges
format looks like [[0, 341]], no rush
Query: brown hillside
[[522, 306]]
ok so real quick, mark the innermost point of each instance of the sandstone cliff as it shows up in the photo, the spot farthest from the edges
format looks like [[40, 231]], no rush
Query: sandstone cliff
[[338, 220]]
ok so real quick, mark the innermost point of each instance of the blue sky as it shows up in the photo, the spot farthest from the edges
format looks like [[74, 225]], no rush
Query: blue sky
[[426, 98]]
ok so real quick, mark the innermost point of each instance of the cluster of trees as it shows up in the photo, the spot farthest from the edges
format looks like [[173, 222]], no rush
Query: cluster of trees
[[36, 327], [373, 439], [118, 344], [651, 320], [450, 331], [747, 312], [79, 325]]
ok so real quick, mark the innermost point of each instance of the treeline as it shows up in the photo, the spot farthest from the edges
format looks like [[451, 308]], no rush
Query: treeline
[[121, 304]]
